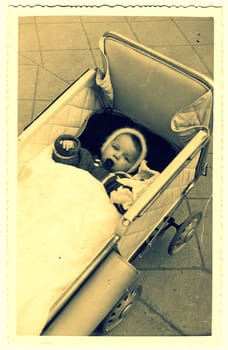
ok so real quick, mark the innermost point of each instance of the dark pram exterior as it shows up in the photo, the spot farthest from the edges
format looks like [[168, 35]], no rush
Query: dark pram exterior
[[175, 103]]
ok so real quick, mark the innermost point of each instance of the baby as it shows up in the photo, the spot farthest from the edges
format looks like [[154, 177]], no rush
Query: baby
[[121, 155]]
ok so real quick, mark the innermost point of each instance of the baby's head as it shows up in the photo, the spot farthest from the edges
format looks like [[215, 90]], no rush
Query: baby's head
[[123, 150]]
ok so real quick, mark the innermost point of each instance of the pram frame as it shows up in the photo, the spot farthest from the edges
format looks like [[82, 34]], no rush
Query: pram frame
[[153, 192], [185, 158]]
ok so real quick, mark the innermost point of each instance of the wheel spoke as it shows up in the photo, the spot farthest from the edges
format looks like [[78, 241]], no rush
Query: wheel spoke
[[121, 310], [184, 233]]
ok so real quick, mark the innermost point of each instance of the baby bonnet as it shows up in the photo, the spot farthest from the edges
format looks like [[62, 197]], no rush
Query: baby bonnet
[[130, 131]]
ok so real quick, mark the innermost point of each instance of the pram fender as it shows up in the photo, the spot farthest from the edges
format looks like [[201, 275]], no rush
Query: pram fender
[[95, 298]]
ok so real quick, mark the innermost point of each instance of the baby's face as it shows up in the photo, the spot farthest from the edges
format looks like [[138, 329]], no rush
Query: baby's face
[[122, 152]]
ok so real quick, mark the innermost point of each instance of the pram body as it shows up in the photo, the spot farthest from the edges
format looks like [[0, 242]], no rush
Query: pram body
[[152, 90]]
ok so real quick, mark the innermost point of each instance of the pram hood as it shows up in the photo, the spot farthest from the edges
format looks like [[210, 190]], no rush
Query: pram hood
[[167, 97]]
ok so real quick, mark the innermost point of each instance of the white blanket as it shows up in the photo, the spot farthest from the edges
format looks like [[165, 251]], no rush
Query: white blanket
[[64, 218]]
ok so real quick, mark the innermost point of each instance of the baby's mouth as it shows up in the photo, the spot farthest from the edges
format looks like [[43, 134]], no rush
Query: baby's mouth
[[108, 164]]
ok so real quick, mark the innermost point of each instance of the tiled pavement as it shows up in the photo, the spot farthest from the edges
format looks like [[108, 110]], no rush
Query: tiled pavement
[[177, 291]]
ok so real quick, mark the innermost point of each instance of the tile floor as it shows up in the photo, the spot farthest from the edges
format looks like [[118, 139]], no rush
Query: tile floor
[[177, 291]]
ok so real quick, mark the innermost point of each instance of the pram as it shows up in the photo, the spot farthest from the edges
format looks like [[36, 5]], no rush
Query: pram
[[175, 104]]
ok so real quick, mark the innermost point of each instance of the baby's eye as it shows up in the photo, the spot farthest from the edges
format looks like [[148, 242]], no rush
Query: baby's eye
[[115, 146], [127, 159]]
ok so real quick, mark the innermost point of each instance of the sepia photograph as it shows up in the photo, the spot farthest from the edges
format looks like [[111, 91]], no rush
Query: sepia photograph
[[113, 211]]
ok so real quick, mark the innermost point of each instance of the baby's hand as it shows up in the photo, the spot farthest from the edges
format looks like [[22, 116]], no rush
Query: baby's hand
[[67, 144]]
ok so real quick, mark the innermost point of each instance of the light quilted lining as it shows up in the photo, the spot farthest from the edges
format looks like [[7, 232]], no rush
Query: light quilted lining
[[70, 118], [103, 80], [189, 120]]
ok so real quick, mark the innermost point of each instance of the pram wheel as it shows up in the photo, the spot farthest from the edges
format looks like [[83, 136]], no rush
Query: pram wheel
[[184, 233], [123, 307]]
